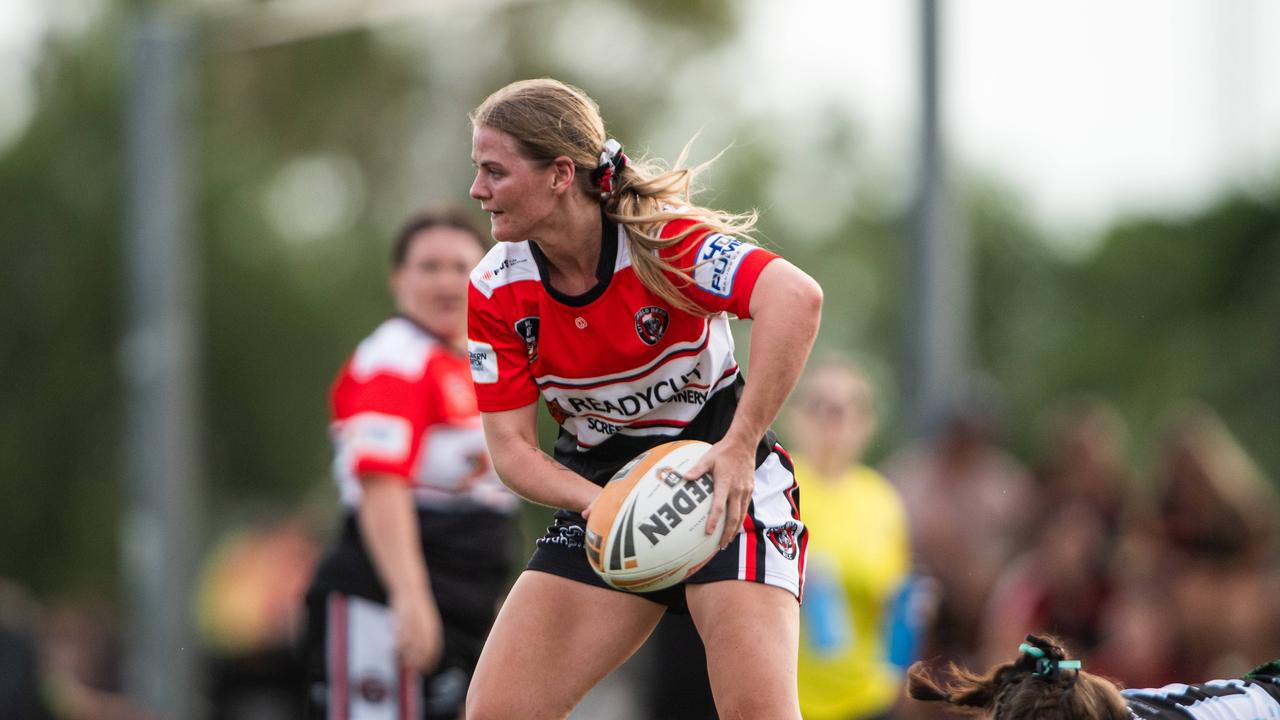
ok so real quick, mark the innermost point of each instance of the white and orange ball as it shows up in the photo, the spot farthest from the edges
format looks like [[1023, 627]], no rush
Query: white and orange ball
[[647, 529]]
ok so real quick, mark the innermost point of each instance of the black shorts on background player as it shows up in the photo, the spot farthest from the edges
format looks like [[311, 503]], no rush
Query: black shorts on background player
[[469, 558]]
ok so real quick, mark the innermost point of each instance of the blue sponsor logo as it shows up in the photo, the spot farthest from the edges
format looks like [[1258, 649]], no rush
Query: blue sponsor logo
[[718, 260]]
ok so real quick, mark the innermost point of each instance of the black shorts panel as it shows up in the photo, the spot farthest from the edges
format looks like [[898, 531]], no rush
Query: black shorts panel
[[561, 552]]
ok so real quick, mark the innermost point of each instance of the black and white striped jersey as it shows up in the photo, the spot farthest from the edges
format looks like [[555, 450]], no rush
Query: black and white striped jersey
[[1256, 697]]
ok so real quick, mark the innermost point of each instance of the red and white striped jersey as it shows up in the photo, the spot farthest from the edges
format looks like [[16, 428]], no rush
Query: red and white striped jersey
[[616, 363], [404, 405]]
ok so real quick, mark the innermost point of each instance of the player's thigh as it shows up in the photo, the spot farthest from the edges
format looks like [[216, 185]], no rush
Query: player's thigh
[[752, 635], [553, 640]]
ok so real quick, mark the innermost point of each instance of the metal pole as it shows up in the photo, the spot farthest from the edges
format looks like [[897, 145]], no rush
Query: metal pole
[[163, 460], [938, 266]]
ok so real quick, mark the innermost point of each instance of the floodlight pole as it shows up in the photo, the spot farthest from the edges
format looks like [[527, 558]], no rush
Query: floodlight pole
[[163, 461], [938, 268]]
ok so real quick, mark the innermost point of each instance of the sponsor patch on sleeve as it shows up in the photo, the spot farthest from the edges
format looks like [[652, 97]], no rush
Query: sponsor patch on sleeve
[[718, 261], [484, 362], [376, 436]]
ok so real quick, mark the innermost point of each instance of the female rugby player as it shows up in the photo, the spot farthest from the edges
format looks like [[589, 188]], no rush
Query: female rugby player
[[607, 296]]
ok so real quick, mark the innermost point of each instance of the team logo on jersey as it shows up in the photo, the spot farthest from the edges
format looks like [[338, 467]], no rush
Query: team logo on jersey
[[651, 324], [783, 538], [558, 413], [528, 329]]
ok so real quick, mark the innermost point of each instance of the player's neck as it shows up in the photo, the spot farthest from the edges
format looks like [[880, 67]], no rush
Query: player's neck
[[573, 251]]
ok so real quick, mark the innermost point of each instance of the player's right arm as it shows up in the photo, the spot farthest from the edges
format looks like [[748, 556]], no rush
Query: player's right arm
[[507, 396], [389, 527], [532, 474]]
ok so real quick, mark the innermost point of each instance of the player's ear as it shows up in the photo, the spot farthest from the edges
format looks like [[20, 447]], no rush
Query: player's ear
[[563, 173]]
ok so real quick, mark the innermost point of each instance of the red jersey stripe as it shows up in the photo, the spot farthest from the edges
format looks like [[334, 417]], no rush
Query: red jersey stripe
[[749, 537]]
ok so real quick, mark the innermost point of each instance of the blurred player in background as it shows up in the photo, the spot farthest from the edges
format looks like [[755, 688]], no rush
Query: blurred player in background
[[859, 556], [1042, 684], [608, 296], [399, 609]]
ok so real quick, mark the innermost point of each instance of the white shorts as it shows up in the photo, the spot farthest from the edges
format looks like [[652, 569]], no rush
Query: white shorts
[[365, 681]]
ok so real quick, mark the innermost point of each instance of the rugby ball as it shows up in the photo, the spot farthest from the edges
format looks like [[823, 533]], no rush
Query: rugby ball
[[647, 529]]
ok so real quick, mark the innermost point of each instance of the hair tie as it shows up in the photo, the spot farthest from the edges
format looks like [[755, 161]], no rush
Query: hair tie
[[612, 161], [1046, 667]]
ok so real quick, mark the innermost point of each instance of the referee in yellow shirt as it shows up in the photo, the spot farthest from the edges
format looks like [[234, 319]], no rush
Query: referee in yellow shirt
[[858, 555]]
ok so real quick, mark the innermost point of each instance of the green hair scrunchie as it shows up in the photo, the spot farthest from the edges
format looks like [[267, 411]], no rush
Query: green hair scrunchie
[[1046, 667]]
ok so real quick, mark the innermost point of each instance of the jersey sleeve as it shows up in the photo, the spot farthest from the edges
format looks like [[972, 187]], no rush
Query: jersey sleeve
[[724, 269], [380, 420], [499, 357], [1236, 698]]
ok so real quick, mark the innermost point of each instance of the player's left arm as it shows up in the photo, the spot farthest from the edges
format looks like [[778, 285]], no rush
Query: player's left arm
[[785, 305]]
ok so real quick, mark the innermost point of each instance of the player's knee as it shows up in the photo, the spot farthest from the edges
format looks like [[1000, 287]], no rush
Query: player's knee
[[748, 707], [482, 706], [504, 706]]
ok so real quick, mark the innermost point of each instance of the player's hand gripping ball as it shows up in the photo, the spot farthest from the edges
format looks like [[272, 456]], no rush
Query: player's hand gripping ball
[[647, 529]]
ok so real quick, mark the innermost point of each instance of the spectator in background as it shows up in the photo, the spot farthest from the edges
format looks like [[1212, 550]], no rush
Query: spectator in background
[[83, 662], [967, 503], [249, 617], [858, 550], [1062, 583], [1139, 632], [412, 586], [1214, 503], [59, 662], [1216, 522], [1086, 461], [20, 675]]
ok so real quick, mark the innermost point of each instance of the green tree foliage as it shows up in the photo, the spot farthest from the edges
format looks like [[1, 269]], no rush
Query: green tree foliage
[[1165, 310], [60, 321], [281, 313]]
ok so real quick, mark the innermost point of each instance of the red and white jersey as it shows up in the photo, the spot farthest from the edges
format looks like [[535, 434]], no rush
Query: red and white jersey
[[404, 405], [617, 361]]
